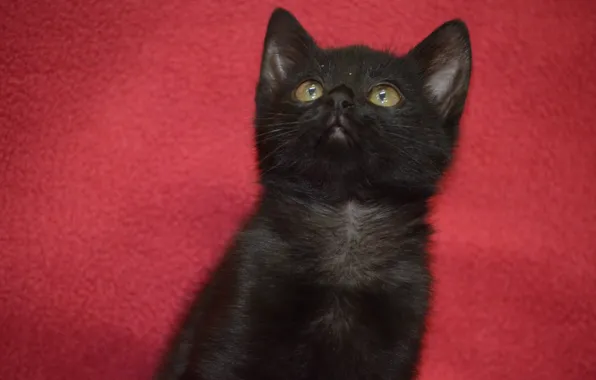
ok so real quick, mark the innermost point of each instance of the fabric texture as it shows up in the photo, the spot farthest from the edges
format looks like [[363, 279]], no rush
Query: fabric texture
[[126, 165]]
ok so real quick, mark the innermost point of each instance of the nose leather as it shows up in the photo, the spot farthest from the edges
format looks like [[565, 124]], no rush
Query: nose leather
[[341, 98]]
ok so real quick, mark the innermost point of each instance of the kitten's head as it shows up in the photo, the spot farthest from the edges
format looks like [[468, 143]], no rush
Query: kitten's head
[[357, 118]]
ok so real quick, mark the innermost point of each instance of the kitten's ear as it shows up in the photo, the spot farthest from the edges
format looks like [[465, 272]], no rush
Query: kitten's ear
[[287, 45], [445, 61]]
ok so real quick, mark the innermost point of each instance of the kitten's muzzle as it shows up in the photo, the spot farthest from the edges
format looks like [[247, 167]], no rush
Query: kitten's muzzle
[[339, 120], [338, 127]]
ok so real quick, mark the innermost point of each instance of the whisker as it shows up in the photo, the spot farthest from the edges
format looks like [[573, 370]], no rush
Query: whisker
[[276, 136], [284, 123], [277, 114], [282, 145], [418, 142], [291, 122]]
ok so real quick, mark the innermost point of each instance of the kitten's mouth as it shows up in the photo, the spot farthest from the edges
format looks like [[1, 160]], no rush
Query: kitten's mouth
[[338, 130]]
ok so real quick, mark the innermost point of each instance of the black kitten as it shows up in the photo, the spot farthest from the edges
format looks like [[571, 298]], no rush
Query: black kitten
[[329, 279]]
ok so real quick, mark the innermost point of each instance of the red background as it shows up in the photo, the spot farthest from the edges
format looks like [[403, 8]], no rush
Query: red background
[[126, 162]]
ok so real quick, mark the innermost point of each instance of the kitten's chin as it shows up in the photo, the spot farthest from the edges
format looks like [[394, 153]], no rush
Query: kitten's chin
[[336, 141], [338, 135]]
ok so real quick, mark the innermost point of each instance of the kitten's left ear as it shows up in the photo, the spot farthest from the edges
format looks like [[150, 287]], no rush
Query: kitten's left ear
[[287, 45], [445, 61]]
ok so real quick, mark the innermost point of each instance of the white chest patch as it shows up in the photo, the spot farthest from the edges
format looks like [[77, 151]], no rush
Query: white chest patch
[[355, 245], [354, 215]]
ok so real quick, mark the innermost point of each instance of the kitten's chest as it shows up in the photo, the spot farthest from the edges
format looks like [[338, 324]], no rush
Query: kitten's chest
[[353, 228], [355, 244]]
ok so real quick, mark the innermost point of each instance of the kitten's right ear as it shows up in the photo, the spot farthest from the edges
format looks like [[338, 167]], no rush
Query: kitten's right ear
[[287, 44], [445, 62]]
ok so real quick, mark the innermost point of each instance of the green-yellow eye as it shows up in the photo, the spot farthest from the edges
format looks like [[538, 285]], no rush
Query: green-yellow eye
[[384, 95], [308, 91]]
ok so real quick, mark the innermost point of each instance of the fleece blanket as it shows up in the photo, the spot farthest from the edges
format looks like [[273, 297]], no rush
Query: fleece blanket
[[126, 164]]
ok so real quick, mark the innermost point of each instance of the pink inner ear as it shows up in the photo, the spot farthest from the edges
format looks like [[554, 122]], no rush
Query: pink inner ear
[[279, 60], [441, 82], [274, 66]]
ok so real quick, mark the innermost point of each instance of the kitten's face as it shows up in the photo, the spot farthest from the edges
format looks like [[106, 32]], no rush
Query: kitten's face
[[355, 115]]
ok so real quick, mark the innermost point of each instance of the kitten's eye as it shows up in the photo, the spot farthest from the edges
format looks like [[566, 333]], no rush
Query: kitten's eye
[[384, 95], [308, 91]]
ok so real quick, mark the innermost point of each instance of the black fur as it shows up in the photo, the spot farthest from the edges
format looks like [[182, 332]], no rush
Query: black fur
[[329, 279]]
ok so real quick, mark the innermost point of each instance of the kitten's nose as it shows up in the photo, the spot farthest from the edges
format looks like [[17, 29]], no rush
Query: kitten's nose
[[341, 98]]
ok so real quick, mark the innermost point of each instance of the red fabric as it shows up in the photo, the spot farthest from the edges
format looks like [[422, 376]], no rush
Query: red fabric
[[126, 162]]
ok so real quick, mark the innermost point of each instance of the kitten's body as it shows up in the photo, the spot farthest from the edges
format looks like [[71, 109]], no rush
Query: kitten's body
[[318, 291], [329, 279]]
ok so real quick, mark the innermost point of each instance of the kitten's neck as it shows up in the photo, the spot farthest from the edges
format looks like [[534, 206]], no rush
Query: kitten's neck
[[339, 192]]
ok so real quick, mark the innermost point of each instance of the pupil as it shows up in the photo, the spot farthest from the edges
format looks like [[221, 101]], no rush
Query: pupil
[[312, 90], [382, 96]]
